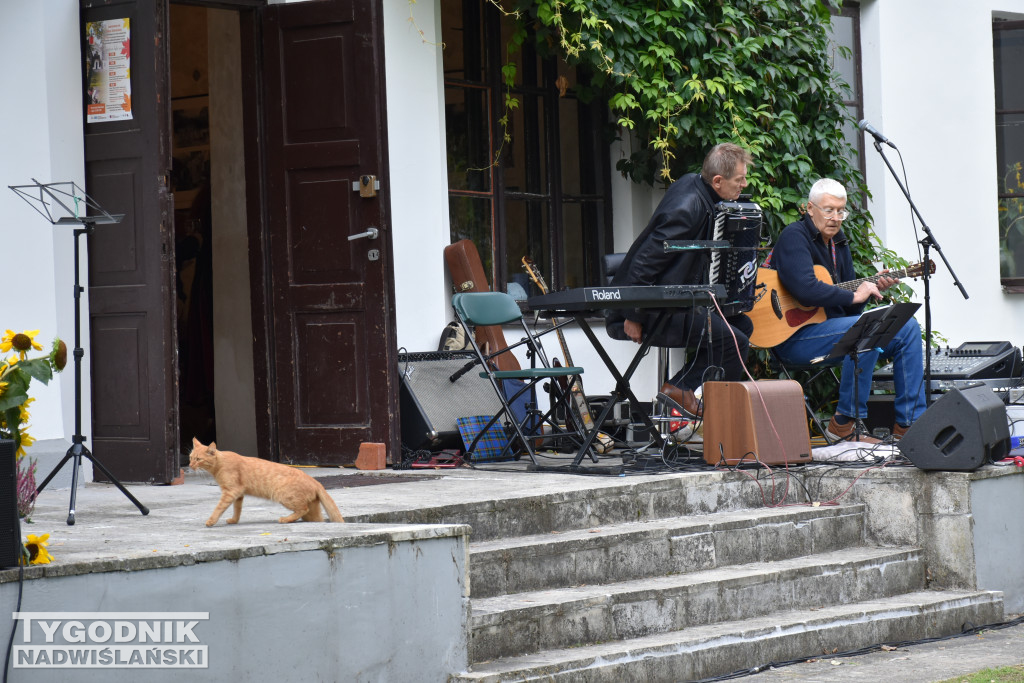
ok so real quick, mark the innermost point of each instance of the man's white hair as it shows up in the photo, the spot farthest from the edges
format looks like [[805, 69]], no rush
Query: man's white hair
[[829, 187]]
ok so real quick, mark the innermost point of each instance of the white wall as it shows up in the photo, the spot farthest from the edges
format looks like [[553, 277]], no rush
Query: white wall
[[42, 139], [418, 173], [929, 87]]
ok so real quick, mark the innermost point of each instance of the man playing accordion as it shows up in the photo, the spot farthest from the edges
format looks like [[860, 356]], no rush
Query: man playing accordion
[[688, 212]]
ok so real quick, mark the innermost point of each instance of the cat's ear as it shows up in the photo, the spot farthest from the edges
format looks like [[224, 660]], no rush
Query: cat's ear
[[213, 445], [196, 443]]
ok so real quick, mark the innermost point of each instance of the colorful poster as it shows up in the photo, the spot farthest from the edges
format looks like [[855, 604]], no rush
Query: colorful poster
[[108, 94]]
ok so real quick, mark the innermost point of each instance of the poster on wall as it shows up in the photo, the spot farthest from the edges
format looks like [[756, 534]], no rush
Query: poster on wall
[[108, 83]]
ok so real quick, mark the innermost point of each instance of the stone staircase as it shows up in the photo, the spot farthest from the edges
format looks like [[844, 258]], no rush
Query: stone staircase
[[684, 578]]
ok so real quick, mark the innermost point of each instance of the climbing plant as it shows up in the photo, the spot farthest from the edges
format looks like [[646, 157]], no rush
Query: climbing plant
[[683, 75]]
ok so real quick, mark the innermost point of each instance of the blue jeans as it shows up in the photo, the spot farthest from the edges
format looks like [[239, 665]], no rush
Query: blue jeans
[[905, 350]]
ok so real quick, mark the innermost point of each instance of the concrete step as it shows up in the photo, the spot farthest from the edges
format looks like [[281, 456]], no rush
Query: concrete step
[[511, 625], [618, 552], [607, 501], [717, 649]]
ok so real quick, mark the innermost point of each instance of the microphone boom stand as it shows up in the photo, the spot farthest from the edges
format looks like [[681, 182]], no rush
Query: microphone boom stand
[[88, 224], [927, 242]]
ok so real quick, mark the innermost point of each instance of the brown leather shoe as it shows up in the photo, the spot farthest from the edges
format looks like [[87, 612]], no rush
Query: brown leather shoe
[[838, 432], [685, 398], [898, 431]]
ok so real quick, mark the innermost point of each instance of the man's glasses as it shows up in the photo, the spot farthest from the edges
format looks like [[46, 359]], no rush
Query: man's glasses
[[829, 214]]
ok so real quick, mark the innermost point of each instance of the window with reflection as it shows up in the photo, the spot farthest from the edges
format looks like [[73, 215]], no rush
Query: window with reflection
[[1008, 51], [844, 37], [538, 184]]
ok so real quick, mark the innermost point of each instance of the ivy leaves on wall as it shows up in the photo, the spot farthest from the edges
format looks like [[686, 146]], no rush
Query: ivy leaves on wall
[[683, 75]]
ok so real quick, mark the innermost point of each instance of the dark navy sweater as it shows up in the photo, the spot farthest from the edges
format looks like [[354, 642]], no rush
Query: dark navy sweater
[[799, 249]]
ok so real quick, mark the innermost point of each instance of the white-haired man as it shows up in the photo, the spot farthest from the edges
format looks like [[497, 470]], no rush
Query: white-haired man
[[818, 239]]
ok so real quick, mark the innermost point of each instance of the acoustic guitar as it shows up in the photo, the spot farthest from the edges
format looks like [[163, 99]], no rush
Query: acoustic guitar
[[603, 443], [777, 315]]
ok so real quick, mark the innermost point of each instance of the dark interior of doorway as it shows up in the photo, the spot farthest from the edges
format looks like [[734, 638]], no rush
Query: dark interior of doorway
[[193, 223]]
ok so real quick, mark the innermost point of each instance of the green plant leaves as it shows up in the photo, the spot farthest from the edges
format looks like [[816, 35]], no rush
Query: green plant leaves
[[683, 75]]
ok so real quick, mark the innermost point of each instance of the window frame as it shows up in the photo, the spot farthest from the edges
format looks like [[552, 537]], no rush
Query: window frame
[[591, 122], [1010, 284]]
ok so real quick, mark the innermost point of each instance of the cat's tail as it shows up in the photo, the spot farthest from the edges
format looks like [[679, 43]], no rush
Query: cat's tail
[[333, 513]]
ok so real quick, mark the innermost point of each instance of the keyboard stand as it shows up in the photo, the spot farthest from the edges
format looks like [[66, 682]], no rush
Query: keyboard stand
[[622, 389]]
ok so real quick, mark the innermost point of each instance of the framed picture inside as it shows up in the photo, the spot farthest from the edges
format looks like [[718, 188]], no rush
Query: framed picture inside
[[190, 170]]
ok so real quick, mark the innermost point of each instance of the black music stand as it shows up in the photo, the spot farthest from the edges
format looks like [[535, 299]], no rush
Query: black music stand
[[49, 200], [873, 330]]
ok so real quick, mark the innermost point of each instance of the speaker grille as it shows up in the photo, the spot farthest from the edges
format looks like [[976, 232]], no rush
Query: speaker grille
[[10, 531], [431, 402]]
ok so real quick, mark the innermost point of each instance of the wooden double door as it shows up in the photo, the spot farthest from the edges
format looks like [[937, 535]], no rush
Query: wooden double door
[[321, 304]]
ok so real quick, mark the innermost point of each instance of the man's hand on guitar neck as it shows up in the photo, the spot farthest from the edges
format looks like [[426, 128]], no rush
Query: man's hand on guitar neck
[[868, 289]]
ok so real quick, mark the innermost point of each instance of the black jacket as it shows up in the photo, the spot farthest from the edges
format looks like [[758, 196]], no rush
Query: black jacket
[[686, 212]]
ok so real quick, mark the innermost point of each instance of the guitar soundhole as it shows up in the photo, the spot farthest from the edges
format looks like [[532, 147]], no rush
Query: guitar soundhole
[[776, 306]]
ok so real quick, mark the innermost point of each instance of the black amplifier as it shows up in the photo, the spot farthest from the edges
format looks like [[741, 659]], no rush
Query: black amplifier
[[971, 361]]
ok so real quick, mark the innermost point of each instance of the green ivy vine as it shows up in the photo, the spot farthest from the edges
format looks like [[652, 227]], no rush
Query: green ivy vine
[[683, 75]]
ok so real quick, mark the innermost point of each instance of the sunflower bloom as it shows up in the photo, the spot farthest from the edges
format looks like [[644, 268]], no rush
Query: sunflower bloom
[[7, 341], [24, 342], [26, 442], [23, 410], [35, 548]]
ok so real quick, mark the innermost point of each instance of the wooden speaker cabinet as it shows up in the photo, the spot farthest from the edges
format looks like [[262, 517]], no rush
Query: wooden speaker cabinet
[[763, 421]]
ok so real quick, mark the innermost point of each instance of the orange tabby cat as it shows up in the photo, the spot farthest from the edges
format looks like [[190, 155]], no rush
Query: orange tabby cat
[[239, 476]]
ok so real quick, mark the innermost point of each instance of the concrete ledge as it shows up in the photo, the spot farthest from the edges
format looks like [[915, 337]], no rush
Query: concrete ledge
[[234, 547], [964, 521], [370, 604]]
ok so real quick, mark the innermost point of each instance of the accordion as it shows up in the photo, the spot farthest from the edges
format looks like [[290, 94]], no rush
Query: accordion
[[735, 267]]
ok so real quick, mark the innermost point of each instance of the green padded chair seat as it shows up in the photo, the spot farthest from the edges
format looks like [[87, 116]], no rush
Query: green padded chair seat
[[531, 373]]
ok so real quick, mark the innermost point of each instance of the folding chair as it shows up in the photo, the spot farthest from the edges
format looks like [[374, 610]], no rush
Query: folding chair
[[498, 308], [815, 372]]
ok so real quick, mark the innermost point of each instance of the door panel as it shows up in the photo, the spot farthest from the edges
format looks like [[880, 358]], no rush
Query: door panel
[[130, 283], [332, 334]]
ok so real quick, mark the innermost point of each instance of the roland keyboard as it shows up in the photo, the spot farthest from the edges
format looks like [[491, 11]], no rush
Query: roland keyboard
[[632, 296]]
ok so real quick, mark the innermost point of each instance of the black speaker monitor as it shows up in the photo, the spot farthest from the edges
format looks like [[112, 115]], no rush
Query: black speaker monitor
[[10, 528], [960, 432]]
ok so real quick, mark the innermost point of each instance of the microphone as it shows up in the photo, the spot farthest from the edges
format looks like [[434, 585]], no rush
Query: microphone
[[868, 128]]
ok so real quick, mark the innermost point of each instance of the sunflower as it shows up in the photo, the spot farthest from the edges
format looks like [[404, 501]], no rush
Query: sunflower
[[23, 410], [35, 549], [22, 342], [26, 441], [59, 355]]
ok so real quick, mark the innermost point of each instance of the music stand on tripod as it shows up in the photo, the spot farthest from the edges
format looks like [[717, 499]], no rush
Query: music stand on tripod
[[873, 330], [49, 200]]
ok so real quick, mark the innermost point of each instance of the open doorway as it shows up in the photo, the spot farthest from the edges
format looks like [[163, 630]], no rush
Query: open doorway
[[216, 397]]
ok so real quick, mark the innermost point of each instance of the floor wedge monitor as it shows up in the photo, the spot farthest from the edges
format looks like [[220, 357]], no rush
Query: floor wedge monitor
[[747, 422], [960, 432]]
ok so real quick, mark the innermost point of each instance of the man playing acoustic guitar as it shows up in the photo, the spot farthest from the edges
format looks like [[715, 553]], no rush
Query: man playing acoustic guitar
[[818, 239]]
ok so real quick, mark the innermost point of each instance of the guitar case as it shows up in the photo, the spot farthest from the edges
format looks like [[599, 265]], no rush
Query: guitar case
[[467, 272]]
